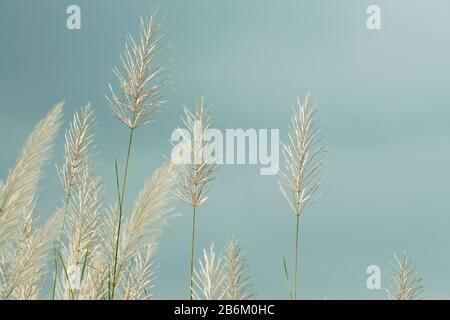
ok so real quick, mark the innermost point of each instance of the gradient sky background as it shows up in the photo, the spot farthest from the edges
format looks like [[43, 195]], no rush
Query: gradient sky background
[[383, 99]]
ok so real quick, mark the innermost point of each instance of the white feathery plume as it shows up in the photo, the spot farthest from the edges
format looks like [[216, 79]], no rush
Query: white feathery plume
[[303, 159], [405, 283], [93, 286], [78, 148], [149, 214], [30, 264], [238, 282], [195, 176], [303, 169], [27, 291], [85, 214], [197, 173], [143, 78], [209, 280], [78, 163], [22, 182], [108, 234], [142, 273], [25, 236]]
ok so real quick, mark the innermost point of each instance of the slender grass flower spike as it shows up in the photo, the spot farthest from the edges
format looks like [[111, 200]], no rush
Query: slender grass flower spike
[[303, 170], [195, 176], [142, 83]]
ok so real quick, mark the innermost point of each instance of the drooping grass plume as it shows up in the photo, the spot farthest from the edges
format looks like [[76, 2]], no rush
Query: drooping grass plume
[[237, 279], [405, 282], [209, 280], [195, 176], [303, 167], [143, 227], [22, 182], [150, 212], [142, 83]]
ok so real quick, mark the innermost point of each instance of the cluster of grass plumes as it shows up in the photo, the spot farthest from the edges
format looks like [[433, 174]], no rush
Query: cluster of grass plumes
[[101, 249], [98, 253], [82, 233], [105, 249]]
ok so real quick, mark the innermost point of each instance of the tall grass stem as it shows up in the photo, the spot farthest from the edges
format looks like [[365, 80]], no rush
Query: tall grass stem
[[121, 201], [296, 257], [193, 251]]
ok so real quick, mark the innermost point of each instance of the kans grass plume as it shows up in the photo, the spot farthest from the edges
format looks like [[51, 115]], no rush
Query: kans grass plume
[[143, 272], [224, 276], [135, 265], [78, 149], [237, 279], [29, 266], [24, 247], [197, 173], [405, 282], [209, 281], [22, 183], [78, 159], [149, 215], [143, 79], [142, 83], [81, 233], [303, 169]]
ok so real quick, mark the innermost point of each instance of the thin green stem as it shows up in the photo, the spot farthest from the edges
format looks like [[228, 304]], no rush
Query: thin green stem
[[296, 257], [193, 252], [121, 201], [67, 277], [286, 274], [130, 142]]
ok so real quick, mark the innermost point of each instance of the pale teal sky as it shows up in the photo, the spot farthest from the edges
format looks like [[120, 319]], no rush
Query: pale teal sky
[[383, 100]]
